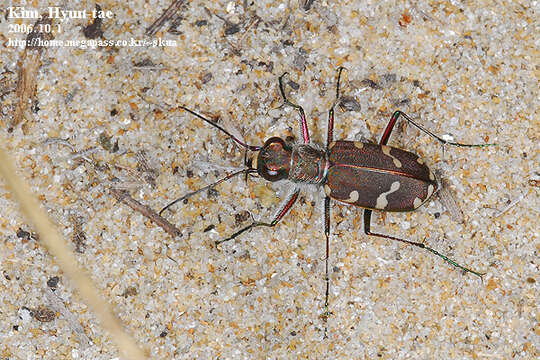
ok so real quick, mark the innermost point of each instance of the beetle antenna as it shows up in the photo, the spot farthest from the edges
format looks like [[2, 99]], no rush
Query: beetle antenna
[[207, 187], [234, 138], [443, 141]]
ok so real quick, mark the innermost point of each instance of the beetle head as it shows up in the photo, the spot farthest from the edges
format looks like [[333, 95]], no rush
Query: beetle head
[[274, 160]]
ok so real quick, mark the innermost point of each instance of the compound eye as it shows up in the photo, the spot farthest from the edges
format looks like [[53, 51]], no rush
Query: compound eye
[[273, 161]]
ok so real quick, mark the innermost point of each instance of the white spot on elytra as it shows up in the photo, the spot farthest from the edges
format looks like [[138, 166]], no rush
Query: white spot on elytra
[[353, 197], [382, 202], [358, 144], [429, 191], [420, 161], [417, 202], [386, 151], [327, 190], [431, 176]]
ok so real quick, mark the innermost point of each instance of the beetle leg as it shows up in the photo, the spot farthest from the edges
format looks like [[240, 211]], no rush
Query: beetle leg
[[396, 116], [367, 230], [326, 312], [329, 138], [389, 128], [367, 212], [330, 135], [246, 171], [303, 122], [284, 210]]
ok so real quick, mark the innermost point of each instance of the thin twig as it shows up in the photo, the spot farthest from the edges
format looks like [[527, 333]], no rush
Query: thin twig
[[512, 204], [28, 67], [253, 23], [83, 154], [167, 15], [307, 4], [123, 196], [57, 140]]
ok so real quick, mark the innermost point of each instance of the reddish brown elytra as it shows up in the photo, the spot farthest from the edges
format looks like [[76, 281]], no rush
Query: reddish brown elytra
[[370, 176]]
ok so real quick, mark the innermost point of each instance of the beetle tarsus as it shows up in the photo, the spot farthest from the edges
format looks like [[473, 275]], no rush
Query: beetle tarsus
[[207, 187], [287, 101], [399, 113], [340, 70], [303, 123], [367, 230], [453, 263], [247, 228], [236, 234], [324, 316]]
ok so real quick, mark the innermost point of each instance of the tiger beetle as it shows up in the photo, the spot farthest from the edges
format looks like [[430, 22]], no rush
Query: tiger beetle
[[371, 176]]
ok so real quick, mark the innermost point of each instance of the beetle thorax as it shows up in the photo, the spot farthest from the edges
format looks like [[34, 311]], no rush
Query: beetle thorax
[[309, 164]]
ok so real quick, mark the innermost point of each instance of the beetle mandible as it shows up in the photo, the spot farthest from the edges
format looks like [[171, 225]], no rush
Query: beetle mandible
[[371, 176]]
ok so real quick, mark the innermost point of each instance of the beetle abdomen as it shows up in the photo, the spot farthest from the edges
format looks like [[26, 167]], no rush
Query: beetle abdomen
[[377, 177]]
